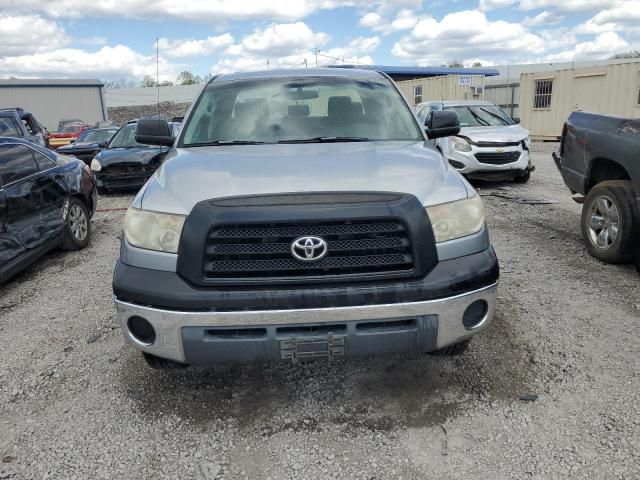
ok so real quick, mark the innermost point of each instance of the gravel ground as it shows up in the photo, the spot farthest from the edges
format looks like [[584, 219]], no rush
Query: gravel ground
[[549, 391]]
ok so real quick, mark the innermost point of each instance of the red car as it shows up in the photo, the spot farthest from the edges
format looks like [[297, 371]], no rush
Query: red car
[[66, 135]]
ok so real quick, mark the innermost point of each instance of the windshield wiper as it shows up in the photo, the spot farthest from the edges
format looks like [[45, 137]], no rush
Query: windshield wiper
[[495, 115], [478, 118], [326, 140], [225, 142]]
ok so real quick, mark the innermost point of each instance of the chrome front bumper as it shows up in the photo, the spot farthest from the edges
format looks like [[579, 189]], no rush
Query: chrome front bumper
[[169, 324]]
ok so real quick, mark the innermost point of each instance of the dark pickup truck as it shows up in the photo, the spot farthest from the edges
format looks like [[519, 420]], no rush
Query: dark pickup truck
[[599, 160]]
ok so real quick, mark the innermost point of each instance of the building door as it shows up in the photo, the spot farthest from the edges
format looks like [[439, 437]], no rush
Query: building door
[[587, 92]]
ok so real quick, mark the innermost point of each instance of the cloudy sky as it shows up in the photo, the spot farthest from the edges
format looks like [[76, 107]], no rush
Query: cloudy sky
[[115, 39]]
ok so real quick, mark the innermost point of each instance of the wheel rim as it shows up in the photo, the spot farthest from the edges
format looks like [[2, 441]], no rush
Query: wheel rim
[[604, 223], [78, 223]]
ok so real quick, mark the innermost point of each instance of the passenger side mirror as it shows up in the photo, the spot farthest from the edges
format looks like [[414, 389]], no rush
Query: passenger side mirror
[[442, 123], [516, 120], [102, 144], [154, 131]]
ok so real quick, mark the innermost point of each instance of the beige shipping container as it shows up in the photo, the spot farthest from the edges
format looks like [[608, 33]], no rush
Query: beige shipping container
[[547, 98], [446, 87], [51, 100]]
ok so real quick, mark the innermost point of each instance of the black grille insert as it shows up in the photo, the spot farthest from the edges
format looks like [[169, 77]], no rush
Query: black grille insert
[[264, 250], [498, 158]]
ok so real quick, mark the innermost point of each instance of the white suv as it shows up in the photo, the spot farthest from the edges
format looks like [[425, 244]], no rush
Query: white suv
[[490, 145]]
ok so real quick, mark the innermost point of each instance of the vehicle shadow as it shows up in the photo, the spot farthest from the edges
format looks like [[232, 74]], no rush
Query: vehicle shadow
[[376, 393]]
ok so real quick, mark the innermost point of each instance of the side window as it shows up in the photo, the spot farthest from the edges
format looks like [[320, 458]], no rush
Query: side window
[[44, 162], [16, 163], [9, 127], [542, 95], [417, 94]]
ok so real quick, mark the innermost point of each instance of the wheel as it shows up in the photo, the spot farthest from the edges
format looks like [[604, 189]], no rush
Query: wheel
[[452, 350], [78, 225], [162, 363], [610, 222], [524, 178]]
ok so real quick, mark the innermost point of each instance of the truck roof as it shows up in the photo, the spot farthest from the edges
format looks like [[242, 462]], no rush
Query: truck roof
[[451, 103], [300, 72]]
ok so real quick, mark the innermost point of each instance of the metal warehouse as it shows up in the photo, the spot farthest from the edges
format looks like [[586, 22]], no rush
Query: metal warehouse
[[52, 100], [547, 98]]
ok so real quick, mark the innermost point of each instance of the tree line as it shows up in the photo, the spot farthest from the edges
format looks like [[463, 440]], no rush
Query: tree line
[[184, 78]]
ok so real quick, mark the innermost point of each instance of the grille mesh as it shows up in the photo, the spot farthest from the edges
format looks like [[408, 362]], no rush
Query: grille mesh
[[264, 250], [498, 158]]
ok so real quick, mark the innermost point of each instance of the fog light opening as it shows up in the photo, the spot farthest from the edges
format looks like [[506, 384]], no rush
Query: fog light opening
[[475, 314], [141, 330], [457, 165]]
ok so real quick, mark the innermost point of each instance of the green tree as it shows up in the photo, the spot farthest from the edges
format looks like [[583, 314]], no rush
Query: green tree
[[629, 54], [455, 64], [149, 81], [188, 78]]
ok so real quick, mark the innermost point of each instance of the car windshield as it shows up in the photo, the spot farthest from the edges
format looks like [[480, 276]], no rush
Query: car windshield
[[96, 136], [480, 115], [71, 129], [300, 109], [125, 138]]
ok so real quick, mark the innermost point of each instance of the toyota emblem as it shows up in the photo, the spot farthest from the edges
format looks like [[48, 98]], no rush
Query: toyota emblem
[[309, 249]]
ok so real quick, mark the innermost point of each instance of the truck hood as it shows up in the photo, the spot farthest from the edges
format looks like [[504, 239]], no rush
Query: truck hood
[[190, 175], [80, 146], [508, 133]]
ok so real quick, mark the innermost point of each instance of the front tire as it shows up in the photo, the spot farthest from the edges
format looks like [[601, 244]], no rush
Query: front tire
[[159, 363], [452, 350], [610, 222], [524, 178], [77, 231]]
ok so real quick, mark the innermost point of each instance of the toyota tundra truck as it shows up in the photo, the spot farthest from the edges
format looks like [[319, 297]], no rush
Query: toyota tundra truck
[[302, 214]]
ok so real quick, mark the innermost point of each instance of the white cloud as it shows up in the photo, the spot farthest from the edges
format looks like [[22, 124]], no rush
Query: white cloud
[[107, 63], [466, 34], [194, 10], [192, 48], [25, 34], [280, 39], [603, 46], [545, 17], [568, 5], [486, 5], [354, 52], [405, 19], [623, 16]]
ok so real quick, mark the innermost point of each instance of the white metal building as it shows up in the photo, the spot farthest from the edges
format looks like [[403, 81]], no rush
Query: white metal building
[[51, 100], [547, 98], [447, 87]]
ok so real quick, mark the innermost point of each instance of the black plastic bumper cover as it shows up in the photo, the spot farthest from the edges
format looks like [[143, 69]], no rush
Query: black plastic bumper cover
[[169, 291]]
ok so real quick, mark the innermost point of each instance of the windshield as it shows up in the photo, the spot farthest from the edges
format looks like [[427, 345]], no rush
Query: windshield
[[96, 136], [300, 109], [8, 128], [480, 115], [126, 137]]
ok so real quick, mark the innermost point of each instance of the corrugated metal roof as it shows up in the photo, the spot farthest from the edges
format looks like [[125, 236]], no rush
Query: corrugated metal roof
[[50, 82], [423, 71]]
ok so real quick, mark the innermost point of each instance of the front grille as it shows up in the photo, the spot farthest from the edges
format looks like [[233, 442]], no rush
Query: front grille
[[498, 158], [253, 251], [125, 169]]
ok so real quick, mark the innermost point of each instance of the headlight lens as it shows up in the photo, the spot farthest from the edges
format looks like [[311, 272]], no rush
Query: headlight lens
[[460, 144], [456, 219], [153, 230], [95, 165]]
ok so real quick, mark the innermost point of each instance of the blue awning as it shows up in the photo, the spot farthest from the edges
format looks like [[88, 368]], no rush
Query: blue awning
[[413, 72]]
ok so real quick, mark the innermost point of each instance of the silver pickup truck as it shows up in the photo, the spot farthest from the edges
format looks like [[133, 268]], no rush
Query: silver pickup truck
[[302, 214]]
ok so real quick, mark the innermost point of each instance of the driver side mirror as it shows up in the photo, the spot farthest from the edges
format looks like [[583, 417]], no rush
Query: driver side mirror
[[154, 131], [516, 120], [102, 144], [442, 123]]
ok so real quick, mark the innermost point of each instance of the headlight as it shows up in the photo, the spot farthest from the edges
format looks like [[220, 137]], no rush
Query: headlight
[[95, 165], [460, 144], [456, 219], [153, 230]]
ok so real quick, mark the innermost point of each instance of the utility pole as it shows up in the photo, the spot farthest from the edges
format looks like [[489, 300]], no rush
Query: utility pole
[[315, 51], [158, 71]]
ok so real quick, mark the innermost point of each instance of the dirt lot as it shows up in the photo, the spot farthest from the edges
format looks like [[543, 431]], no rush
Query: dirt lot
[[549, 391]]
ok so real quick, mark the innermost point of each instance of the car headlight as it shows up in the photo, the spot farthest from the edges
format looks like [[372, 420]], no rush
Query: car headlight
[[153, 230], [460, 144], [95, 165], [456, 219]]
